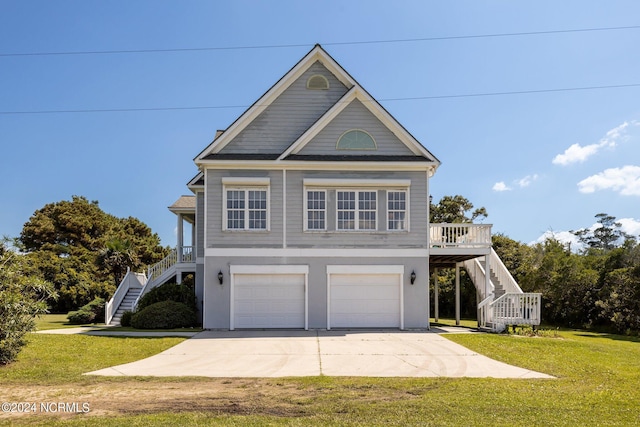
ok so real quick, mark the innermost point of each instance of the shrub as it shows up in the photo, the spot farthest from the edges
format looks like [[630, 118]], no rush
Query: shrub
[[91, 312], [169, 292], [125, 320], [81, 317], [164, 315]]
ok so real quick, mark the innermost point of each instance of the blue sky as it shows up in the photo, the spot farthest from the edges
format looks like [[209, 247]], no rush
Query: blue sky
[[537, 161]]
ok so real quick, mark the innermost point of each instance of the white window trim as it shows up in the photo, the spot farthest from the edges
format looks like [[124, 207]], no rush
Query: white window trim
[[246, 189], [326, 81], [375, 144], [305, 220], [407, 209], [356, 218], [351, 183]]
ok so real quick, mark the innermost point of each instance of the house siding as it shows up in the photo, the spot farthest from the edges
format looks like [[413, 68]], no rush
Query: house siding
[[200, 224], [289, 116], [355, 116], [217, 237], [415, 297]]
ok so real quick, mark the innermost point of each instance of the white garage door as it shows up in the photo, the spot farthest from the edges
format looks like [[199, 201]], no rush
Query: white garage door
[[365, 300], [269, 301]]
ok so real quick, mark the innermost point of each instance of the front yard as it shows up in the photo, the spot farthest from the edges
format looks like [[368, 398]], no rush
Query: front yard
[[597, 384]]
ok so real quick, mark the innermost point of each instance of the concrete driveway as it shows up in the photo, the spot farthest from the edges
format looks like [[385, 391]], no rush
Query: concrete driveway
[[319, 352]]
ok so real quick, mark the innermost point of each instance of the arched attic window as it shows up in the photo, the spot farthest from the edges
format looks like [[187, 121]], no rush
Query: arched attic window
[[356, 139], [317, 82]]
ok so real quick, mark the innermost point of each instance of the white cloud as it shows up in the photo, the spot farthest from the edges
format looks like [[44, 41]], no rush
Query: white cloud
[[624, 180], [527, 180], [630, 226], [565, 237], [577, 153], [500, 186], [523, 182]]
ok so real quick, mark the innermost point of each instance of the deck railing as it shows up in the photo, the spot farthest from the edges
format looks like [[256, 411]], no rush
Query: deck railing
[[185, 255], [459, 235], [517, 309]]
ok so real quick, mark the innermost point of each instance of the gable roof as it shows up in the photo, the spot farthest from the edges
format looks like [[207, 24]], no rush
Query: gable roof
[[314, 55], [354, 92]]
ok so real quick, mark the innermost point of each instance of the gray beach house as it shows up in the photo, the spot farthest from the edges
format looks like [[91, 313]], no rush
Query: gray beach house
[[311, 211]]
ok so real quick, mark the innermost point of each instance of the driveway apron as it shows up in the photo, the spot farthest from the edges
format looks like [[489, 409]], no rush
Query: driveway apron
[[280, 353]]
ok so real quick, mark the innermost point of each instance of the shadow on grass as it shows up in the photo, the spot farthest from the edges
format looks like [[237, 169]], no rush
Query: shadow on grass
[[615, 337]]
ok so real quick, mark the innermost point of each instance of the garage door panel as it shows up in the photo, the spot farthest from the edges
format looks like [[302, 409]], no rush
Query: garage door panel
[[365, 300], [269, 301]]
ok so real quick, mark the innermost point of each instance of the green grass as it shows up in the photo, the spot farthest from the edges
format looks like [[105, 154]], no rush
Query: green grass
[[59, 321], [57, 359], [598, 383], [466, 323], [56, 321]]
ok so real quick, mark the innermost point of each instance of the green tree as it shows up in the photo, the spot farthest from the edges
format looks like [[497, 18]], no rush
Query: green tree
[[117, 256], [620, 288], [516, 256], [455, 209], [606, 236], [22, 298]]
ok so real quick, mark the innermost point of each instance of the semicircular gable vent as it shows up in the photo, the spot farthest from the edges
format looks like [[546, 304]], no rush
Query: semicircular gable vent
[[317, 82], [356, 139]]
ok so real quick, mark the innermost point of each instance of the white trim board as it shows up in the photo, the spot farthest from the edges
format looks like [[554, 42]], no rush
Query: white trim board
[[317, 252], [346, 183]]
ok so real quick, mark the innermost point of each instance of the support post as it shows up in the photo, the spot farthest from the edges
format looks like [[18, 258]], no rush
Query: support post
[[457, 294], [487, 276], [437, 290], [180, 237]]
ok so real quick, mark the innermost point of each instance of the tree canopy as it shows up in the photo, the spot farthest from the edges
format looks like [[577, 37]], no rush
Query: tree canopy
[[22, 297], [605, 236], [455, 209], [85, 252]]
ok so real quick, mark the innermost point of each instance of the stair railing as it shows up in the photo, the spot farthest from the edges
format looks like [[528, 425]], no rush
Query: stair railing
[[485, 312], [160, 267], [115, 301], [475, 270], [505, 278]]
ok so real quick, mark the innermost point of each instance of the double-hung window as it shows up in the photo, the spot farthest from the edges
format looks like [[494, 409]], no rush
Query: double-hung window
[[245, 207], [397, 210], [316, 210], [356, 210]]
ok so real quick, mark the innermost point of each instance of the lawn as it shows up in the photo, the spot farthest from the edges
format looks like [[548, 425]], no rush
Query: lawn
[[56, 321], [597, 384], [59, 321]]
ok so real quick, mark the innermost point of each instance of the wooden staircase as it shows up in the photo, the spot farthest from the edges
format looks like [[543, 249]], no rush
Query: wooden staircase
[[504, 303], [126, 305], [134, 285]]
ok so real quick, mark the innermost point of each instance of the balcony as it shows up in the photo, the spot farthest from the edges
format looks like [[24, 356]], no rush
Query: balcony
[[452, 243]]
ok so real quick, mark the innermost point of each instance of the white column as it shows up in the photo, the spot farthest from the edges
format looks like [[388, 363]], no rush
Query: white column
[[437, 290], [193, 239], [457, 294], [180, 237], [487, 276]]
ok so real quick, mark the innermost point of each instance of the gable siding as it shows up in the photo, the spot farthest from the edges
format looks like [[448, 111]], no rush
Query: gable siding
[[217, 237], [289, 116], [355, 116], [418, 221]]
